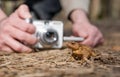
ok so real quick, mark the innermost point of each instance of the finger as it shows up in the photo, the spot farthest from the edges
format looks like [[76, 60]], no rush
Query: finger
[[16, 46], [7, 49], [93, 37], [93, 40], [4, 47], [22, 36], [23, 12], [88, 41], [98, 39], [83, 34], [80, 32], [101, 41], [15, 21]]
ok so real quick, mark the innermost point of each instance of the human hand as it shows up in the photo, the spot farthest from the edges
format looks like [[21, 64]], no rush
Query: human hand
[[83, 28], [89, 32], [14, 30]]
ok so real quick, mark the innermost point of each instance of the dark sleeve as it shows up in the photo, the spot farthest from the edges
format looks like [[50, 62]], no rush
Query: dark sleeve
[[44, 9]]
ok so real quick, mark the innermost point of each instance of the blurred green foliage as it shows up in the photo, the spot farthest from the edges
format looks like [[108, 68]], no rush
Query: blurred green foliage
[[8, 6]]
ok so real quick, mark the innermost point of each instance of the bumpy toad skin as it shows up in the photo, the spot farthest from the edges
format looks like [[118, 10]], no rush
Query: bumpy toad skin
[[80, 52]]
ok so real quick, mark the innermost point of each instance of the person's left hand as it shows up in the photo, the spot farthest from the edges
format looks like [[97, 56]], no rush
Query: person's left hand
[[89, 32], [83, 28]]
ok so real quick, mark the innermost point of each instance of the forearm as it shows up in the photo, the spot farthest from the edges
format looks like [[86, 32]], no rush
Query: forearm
[[79, 16], [2, 15]]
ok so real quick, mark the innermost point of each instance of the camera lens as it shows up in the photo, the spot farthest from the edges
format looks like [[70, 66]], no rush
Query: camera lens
[[50, 37]]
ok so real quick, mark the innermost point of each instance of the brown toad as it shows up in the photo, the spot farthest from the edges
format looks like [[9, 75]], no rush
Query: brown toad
[[80, 51]]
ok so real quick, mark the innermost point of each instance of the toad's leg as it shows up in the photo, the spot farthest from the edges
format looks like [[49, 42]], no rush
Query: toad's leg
[[93, 54], [73, 47], [91, 64], [71, 58]]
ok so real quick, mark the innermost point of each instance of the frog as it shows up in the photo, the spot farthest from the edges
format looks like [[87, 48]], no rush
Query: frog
[[81, 52]]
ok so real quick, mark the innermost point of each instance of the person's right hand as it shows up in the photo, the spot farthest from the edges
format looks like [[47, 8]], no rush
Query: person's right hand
[[14, 30]]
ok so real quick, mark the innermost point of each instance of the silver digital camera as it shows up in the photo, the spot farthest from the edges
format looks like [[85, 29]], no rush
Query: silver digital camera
[[48, 33]]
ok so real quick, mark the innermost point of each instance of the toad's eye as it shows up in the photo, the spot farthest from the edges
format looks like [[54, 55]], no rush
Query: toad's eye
[[72, 43]]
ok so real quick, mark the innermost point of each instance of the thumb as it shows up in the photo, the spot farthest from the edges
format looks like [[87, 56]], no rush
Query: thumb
[[23, 12], [83, 34]]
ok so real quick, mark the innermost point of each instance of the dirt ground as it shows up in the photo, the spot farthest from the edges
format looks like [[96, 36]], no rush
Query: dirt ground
[[56, 63]]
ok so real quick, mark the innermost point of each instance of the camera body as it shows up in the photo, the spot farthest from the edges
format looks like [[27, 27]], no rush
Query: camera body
[[48, 33]]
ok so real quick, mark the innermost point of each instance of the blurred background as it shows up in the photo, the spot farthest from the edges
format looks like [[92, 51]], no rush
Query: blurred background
[[99, 9]]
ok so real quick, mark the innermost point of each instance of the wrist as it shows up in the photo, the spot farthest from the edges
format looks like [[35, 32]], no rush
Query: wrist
[[79, 16]]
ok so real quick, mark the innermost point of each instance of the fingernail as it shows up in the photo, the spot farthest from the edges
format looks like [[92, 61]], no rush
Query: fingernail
[[27, 51], [24, 12]]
